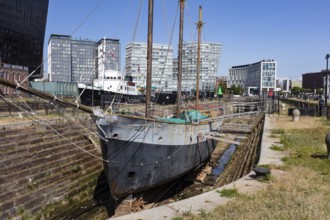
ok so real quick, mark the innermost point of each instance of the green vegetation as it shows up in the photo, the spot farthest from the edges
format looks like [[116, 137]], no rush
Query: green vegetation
[[228, 193], [277, 147], [301, 192]]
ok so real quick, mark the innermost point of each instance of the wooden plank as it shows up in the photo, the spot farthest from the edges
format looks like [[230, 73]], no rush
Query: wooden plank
[[227, 135], [223, 140]]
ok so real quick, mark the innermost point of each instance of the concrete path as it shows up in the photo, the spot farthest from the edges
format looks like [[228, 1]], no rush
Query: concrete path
[[210, 200]]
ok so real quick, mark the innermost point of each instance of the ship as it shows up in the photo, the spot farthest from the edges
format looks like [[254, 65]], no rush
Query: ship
[[111, 86], [141, 152]]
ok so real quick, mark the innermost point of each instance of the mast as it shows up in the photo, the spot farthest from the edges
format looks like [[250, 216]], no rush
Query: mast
[[103, 61], [199, 28], [178, 99], [149, 59]]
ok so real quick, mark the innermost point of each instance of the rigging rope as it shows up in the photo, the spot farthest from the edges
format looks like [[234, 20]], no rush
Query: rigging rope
[[168, 49], [137, 21], [48, 124]]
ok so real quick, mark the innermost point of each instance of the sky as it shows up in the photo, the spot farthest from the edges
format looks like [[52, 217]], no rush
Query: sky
[[295, 33]]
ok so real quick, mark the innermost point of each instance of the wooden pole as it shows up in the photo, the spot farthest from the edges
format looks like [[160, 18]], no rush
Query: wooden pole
[[45, 95]]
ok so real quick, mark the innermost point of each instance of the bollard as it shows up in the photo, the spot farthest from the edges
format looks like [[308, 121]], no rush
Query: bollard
[[295, 115], [327, 142], [261, 172]]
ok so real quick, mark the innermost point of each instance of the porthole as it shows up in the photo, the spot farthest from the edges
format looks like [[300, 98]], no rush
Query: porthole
[[115, 136]]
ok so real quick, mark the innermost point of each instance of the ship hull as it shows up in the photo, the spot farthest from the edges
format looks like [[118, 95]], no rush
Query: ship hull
[[142, 154]]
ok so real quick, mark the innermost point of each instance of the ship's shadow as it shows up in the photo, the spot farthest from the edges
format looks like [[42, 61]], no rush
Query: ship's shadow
[[103, 198], [102, 195]]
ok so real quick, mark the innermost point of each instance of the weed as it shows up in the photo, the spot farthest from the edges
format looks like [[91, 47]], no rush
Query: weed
[[228, 193], [177, 218], [277, 131], [276, 147], [265, 178], [20, 210]]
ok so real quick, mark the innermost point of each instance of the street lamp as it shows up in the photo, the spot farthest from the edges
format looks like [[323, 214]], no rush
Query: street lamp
[[326, 82]]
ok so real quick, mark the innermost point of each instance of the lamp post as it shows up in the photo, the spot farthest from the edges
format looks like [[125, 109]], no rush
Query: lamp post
[[326, 82]]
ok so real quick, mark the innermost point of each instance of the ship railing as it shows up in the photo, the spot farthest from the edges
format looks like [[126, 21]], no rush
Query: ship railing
[[235, 115]]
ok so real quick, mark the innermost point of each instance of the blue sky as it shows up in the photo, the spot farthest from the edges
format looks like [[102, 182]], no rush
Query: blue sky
[[296, 33]]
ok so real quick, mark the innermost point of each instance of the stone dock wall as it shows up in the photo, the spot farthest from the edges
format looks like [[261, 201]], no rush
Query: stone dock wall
[[246, 155], [43, 174]]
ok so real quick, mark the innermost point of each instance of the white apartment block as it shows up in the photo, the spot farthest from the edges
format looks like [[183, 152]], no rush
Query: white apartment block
[[108, 56], [254, 78], [162, 61], [209, 63], [165, 67]]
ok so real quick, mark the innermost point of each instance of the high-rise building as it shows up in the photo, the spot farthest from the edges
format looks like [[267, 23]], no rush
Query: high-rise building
[[77, 60], [59, 58], [108, 51], [136, 64], [254, 78], [209, 63], [22, 32], [83, 54], [165, 67]]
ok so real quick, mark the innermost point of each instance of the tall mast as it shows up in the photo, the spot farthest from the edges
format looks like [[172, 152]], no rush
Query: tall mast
[[149, 59], [178, 99], [199, 28], [103, 61]]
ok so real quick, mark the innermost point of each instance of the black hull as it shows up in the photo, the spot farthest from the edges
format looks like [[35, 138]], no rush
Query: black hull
[[105, 98], [126, 174], [144, 153], [165, 98]]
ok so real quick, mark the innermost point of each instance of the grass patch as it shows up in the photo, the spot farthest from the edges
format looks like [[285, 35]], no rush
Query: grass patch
[[276, 147], [302, 191], [277, 131], [228, 193], [177, 218]]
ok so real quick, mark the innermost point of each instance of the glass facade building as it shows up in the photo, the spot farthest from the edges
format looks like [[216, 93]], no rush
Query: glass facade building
[[22, 32], [254, 78]]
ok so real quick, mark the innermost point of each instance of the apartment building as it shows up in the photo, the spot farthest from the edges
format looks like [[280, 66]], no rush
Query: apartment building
[[79, 60], [162, 62]]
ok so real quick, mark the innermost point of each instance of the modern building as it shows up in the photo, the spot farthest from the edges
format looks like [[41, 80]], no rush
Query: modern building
[[314, 80], [109, 56], [256, 78], [209, 63], [59, 58], [286, 85], [162, 61], [22, 32], [165, 66], [78, 60], [13, 73], [83, 54]]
